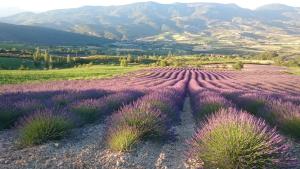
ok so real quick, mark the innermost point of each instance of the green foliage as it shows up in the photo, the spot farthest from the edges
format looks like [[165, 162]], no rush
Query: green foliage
[[68, 59], [124, 63], [237, 140], [291, 127], [42, 128], [163, 63], [129, 59], [22, 67], [122, 139], [224, 145], [238, 65], [92, 72], [87, 113], [37, 57], [254, 106], [50, 62], [207, 109], [46, 60], [9, 63], [7, 117], [268, 55], [138, 123]]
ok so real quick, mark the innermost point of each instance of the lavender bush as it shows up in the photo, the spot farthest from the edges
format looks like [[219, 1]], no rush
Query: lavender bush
[[11, 112], [43, 126], [284, 115], [168, 101], [235, 139], [144, 120], [123, 138], [90, 110], [277, 112], [8, 115], [87, 110], [207, 102], [147, 116], [252, 102]]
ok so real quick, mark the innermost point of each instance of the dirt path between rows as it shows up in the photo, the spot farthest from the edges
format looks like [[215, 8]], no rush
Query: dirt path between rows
[[86, 149], [173, 155]]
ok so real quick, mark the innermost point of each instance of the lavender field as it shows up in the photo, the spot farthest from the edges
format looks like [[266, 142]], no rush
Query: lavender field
[[155, 118]]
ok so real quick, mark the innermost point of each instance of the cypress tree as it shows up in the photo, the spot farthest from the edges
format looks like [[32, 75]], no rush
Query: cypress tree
[[46, 60]]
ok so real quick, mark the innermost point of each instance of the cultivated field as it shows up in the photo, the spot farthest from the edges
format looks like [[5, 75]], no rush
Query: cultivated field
[[155, 118]]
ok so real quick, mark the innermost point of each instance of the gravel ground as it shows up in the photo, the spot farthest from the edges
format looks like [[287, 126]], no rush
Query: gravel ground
[[85, 148]]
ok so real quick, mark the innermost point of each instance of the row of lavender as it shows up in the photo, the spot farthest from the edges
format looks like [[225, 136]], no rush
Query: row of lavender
[[280, 111], [47, 116], [150, 116], [231, 138]]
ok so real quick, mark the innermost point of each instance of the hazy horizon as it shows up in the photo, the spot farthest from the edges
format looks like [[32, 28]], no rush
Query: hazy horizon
[[41, 6]]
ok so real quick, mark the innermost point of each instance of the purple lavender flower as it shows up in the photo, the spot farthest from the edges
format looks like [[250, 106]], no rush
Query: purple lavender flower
[[236, 139]]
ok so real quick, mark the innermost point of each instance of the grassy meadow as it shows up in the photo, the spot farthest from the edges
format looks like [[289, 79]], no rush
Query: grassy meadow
[[92, 72], [14, 63]]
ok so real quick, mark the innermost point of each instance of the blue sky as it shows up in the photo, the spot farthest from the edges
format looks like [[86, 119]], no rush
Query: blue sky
[[43, 5]]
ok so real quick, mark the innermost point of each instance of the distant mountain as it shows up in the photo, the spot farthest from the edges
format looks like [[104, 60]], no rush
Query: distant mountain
[[4, 12], [208, 25], [149, 18], [39, 35]]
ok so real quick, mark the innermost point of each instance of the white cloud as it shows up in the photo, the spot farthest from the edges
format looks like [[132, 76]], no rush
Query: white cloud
[[42, 5]]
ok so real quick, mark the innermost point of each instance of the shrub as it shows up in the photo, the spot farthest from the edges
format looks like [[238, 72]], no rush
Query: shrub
[[238, 65], [88, 94], [163, 101], [8, 116], [42, 127], [61, 100], [164, 107], [122, 139], [235, 139], [252, 102], [11, 112], [91, 110], [285, 115], [144, 121], [87, 110], [27, 106], [115, 101], [207, 102], [163, 63], [124, 63]]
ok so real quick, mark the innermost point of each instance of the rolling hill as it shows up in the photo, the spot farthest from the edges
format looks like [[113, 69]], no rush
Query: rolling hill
[[46, 36], [205, 26]]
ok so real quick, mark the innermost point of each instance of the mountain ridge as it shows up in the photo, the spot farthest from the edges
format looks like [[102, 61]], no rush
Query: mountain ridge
[[46, 36], [144, 19], [204, 25]]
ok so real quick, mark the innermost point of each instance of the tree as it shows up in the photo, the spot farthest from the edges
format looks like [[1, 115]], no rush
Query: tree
[[124, 63], [163, 63], [268, 55], [139, 59], [129, 58], [170, 54], [36, 57], [46, 59], [50, 62], [238, 65], [68, 59]]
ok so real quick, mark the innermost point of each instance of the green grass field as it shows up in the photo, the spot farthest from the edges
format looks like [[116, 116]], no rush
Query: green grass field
[[93, 72], [14, 63], [294, 70]]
